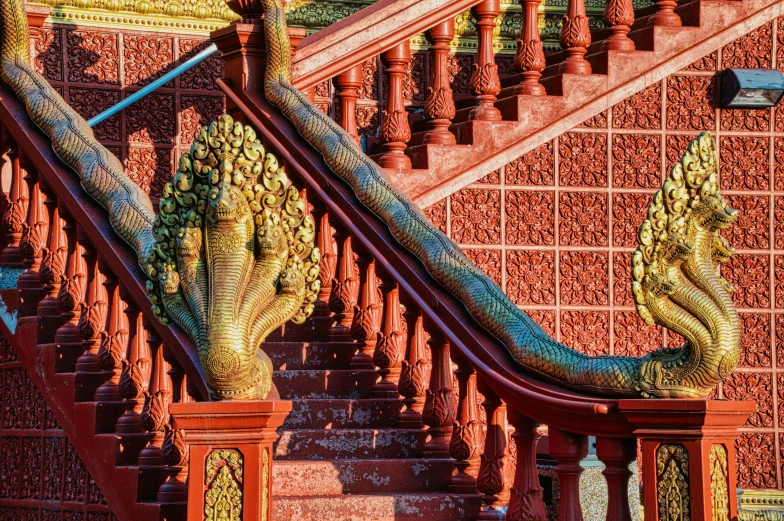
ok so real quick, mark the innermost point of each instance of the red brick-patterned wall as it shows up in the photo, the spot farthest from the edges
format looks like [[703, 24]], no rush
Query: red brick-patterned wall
[[556, 228], [95, 68], [43, 478]]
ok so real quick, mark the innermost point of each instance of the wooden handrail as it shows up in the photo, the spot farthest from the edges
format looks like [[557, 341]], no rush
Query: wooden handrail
[[92, 219], [365, 34], [541, 401]]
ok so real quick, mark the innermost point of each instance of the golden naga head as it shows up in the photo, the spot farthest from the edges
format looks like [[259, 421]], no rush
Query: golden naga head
[[676, 279], [234, 256]]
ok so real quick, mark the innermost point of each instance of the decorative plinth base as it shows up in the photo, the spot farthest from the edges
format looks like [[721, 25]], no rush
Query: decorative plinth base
[[230, 457], [688, 456]]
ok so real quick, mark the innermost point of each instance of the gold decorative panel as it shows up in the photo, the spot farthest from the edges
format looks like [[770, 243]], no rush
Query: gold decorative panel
[[223, 479], [672, 483]]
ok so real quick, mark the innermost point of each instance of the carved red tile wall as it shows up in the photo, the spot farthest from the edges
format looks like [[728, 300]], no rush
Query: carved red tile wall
[[96, 68], [43, 478], [563, 221]]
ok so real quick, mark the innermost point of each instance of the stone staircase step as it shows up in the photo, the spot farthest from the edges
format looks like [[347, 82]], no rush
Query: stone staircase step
[[402, 507], [342, 414], [332, 478], [287, 356], [336, 444], [318, 383]]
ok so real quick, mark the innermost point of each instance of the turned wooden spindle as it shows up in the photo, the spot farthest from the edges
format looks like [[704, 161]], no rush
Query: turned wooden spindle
[[114, 337], [529, 58], [395, 131], [665, 15], [494, 479], [52, 269], [439, 410], [389, 348], [526, 501], [440, 104], [485, 83], [568, 450], [618, 18], [364, 326], [155, 412], [135, 376], [575, 38], [348, 84], [31, 247], [15, 211], [72, 288], [322, 318], [413, 374], [92, 317], [617, 454], [466, 443], [344, 288]]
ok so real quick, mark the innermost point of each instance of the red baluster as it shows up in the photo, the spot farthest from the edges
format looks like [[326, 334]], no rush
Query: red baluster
[[135, 375], [364, 327], [155, 413], [529, 58], [665, 14], [494, 479], [618, 18], [439, 411], [568, 450], [15, 212], [71, 289], [466, 443], [526, 502], [113, 339], [440, 105], [395, 132], [389, 352], [575, 38], [485, 83], [413, 375], [344, 288], [617, 454], [52, 271], [173, 448], [31, 247], [348, 84], [321, 318], [92, 318]]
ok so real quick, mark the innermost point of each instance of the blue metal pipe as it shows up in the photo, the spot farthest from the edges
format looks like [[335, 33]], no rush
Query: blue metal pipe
[[166, 78]]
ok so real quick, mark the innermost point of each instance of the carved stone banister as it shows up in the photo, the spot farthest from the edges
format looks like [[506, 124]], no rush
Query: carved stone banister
[[412, 385], [391, 343], [618, 19], [575, 38], [440, 105], [485, 83], [332, 50], [365, 324], [494, 479], [15, 210], [348, 84], [617, 454], [466, 443], [440, 408], [96, 228], [71, 294], [568, 449], [526, 502], [529, 58], [395, 131], [92, 318], [52, 269]]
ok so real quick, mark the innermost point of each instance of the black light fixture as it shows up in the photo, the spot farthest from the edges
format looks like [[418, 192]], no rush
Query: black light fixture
[[751, 88]]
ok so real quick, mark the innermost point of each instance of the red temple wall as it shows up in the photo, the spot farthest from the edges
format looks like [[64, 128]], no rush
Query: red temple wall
[[556, 229], [43, 478]]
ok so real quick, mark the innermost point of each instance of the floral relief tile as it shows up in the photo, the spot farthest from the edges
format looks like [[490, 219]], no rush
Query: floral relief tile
[[586, 331], [756, 460], [530, 218], [752, 51], [633, 337], [536, 167], [755, 342], [584, 278], [636, 161], [750, 276], [752, 227], [744, 162], [641, 110], [476, 216], [92, 57], [530, 277], [488, 261], [628, 214], [755, 387], [582, 159], [689, 103], [583, 219]]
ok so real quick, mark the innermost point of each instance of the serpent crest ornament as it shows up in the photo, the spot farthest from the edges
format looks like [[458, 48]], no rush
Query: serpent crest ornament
[[230, 256], [234, 256]]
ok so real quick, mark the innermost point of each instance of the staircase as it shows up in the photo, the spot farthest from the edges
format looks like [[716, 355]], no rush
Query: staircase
[[351, 450], [341, 454]]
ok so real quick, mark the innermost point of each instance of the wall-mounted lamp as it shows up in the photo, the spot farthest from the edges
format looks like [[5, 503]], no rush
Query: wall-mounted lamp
[[751, 88]]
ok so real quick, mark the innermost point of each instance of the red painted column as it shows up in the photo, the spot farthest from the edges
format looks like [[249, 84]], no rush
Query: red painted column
[[466, 443], [439, 411], [395, 131], [529, 58], [495, 476], [440, 104], [665, 14], [575, 38], [15, 210], [688, 452], [413, 376], [389, 352], [233, 440], [364, 326], [485, 83]]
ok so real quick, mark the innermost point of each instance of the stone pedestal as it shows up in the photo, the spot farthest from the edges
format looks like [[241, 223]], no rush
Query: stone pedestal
[[688, 456], [230, 456]]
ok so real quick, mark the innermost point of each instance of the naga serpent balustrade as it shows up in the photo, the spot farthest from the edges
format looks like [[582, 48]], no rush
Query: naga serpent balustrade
[[676, 280]]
